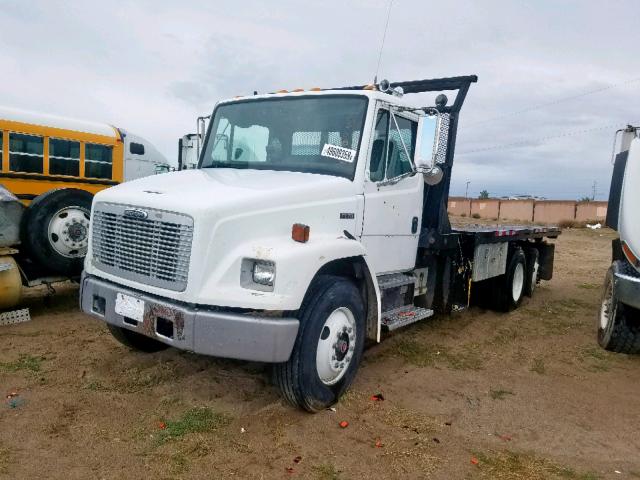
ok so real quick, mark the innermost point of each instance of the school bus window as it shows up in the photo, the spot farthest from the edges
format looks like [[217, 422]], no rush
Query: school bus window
[[25, 153], [98, 161], [64, 157]]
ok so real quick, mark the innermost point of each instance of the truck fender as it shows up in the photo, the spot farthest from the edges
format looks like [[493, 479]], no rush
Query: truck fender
[[340, 252]]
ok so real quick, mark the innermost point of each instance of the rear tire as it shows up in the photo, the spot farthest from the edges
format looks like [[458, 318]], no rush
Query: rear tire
[[618, 324], [533, 267], [329, 346], [55, 230], [508, 289], [135, 340]]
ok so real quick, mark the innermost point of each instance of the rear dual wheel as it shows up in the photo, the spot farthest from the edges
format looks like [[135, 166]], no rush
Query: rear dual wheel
[[508, 289], [505, 292]]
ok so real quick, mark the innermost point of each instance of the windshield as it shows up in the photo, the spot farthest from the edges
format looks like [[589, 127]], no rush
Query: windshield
[[300, 134]]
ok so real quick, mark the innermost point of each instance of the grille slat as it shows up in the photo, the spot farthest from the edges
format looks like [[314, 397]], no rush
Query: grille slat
[[155, 250]]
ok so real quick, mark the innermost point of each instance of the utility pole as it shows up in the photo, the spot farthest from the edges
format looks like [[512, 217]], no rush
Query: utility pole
[[595, 186], [466, 192]]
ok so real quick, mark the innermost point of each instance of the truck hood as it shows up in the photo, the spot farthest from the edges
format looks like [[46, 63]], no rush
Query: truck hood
[[194, 191]]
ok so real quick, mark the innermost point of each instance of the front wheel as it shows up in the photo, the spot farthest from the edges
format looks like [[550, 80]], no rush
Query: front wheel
[[329, 345], [618, 324]]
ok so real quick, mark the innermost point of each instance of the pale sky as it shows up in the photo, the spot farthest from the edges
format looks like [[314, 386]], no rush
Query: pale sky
[[152, 67]]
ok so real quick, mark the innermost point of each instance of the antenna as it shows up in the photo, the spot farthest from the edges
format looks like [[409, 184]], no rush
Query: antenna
[[384, 36]]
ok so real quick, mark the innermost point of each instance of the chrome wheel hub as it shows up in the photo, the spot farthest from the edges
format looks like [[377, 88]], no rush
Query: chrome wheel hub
[[606, 308], [69, 232], [518, 282], [336, 346]]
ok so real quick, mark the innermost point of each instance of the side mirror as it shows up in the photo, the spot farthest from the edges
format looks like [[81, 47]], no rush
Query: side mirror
[[428, 147]]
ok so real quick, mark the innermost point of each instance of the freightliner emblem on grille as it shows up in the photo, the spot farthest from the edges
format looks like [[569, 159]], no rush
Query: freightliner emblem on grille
[[136, 213]]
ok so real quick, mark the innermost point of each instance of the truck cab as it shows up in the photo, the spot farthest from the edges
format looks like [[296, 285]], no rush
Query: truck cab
[[314, 221], [619, 314]]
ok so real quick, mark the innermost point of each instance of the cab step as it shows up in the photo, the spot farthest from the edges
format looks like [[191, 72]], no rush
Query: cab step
[[403, 316], [394, 280]]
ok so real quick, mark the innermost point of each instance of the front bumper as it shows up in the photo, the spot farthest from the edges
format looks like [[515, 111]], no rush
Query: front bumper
[[627, 288], [216, 333]]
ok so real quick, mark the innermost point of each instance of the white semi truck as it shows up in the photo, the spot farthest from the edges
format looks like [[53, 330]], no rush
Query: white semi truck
[[619, 315], [315, 221]]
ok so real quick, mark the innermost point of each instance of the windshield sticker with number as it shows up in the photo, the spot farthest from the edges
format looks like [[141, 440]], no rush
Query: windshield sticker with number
[[339, 153]]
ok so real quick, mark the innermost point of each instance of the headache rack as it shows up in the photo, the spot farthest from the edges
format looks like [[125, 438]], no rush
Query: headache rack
[[461, 84]]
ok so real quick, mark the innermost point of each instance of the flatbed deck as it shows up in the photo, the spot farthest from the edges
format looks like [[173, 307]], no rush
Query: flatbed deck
[[499, 233]]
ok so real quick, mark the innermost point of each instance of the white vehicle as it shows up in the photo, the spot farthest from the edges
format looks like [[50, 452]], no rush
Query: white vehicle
[[315, 220], [619, 316]]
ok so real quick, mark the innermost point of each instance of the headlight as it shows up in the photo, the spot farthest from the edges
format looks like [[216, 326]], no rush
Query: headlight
[[264, 273]]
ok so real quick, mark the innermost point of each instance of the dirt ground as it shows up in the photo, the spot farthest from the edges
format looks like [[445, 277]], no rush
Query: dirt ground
[[526, 395]]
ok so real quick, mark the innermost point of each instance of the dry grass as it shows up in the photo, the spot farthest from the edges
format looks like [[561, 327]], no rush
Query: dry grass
[[194, 420], [500, 394], [538, 366], [520, 466], [5, 459], [25, 362], [422, 354], [578, 224], [326, 471]]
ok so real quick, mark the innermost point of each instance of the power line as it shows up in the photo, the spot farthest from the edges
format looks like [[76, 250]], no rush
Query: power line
[[384, 37], [554, 102], [525, 143]]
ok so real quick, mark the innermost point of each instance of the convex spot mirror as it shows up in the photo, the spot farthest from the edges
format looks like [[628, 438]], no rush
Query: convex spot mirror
[[427, 147]]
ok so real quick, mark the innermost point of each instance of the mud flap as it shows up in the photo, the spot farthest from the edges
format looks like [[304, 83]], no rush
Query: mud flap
[[547, 254]]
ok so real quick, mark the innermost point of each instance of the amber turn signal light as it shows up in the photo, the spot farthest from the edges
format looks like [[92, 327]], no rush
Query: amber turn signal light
[[633, 260], [300, 232]]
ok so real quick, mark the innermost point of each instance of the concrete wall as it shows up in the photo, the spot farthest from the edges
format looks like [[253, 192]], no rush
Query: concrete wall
[[554, 211], [459, 206], [544, 211], [489, 208], [591, 211], [518, 210]]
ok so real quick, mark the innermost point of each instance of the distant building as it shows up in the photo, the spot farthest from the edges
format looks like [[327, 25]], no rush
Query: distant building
[[522, 197]]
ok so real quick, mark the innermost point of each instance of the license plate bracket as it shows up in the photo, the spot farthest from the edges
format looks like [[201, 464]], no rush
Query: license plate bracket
[[130, 307]]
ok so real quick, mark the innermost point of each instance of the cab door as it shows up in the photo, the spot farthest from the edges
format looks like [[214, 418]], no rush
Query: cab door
[[393, 194]]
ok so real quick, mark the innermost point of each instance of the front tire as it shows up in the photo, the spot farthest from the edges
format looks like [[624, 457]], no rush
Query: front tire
[[618, 324], [329, 346]]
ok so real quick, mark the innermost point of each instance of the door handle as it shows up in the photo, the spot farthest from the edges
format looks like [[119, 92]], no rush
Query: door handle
[[414, 225]]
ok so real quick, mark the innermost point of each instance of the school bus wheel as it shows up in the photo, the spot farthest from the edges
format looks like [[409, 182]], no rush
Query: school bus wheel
[[56, 230]]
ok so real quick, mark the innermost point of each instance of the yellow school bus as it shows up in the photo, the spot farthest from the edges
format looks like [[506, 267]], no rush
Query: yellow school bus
[[54, 166]]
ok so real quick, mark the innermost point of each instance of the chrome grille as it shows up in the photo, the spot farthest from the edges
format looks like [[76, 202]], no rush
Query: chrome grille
[[154, 250]]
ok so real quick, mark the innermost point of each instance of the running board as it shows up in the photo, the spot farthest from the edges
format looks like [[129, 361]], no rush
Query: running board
[[403, 316], [394, 280]]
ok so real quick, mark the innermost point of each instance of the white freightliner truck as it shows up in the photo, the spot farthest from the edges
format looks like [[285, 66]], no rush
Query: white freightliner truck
[[619, 316], [315, 220]]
